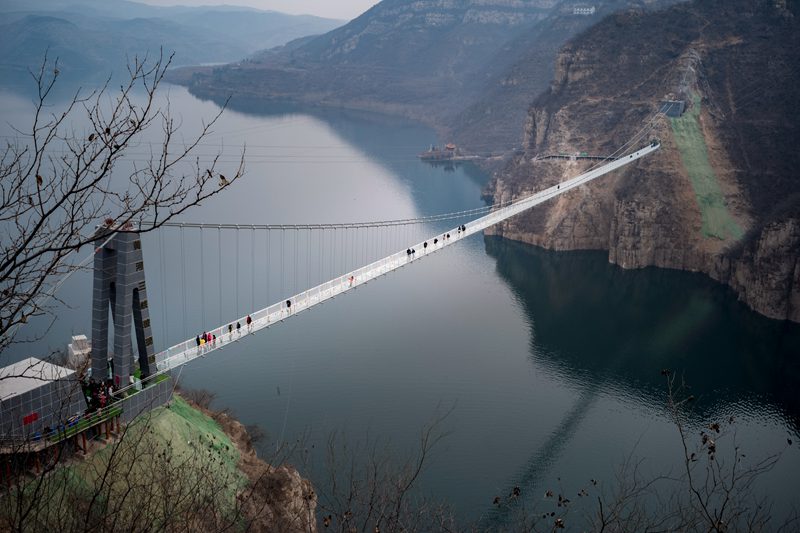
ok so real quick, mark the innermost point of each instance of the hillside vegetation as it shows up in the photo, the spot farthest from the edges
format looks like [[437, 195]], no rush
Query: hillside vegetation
[[717, 219], [468, 68], [178, 467]]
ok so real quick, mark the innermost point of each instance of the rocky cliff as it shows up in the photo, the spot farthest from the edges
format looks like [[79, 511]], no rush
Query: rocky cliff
[[721, 197], [277, 498]]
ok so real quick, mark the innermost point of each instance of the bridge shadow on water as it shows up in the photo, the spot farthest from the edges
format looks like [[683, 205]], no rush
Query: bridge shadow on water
[[602, 329]]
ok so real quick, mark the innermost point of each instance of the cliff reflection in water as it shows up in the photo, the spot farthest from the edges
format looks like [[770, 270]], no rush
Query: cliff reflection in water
[[593, 321]]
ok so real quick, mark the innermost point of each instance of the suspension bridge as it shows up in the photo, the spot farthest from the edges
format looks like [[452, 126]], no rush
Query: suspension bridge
[[348, 256], [351, 278]]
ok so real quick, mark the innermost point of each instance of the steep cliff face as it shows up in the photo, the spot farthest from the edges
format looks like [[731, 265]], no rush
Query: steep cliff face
[[767, 275], [721, 196]]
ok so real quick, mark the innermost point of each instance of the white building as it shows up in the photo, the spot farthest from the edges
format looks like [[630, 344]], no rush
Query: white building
[[79, 349], [584, 10], [35, 395]]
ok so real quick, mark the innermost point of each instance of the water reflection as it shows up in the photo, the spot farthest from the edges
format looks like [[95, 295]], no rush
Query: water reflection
[[389, 141], [593, 320], [604, 333]]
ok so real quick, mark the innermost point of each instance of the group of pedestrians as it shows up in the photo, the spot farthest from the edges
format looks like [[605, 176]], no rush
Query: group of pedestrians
[[210, 340], [205, 340], [411, 252], [98, 393], [248, 321]]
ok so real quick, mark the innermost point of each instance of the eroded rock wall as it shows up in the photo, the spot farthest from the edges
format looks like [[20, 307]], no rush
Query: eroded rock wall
[[607, 86]]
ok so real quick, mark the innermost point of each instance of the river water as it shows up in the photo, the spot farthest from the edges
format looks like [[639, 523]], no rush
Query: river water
[[547, 365]]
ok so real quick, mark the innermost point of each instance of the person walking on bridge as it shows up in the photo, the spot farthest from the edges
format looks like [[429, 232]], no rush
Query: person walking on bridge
[[238, 329], [249, 323]]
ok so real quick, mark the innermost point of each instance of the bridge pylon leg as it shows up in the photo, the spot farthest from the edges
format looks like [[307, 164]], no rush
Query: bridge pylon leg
[[119, 284]]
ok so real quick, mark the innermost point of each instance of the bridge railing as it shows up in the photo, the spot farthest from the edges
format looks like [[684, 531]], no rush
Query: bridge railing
[[276, 312]]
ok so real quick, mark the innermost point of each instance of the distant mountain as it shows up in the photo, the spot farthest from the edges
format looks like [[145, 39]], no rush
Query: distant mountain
[[407, 52], [96, 36], [414, 57], [254, 30], [84, 51], [435, 60], [123, 9]]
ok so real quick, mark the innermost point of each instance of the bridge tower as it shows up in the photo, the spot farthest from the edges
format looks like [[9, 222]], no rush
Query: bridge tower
[[119, 284]]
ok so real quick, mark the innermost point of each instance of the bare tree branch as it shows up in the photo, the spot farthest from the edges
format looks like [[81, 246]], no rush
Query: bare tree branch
[[57, 186]]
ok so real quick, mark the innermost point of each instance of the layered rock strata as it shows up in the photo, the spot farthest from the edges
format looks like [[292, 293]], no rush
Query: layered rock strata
[[734, 64]]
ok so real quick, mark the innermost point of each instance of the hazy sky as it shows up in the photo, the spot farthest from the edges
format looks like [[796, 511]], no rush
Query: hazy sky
[[337, 9]]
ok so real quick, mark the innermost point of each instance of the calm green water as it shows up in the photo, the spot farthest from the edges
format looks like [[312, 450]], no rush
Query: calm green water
[[549, 363]]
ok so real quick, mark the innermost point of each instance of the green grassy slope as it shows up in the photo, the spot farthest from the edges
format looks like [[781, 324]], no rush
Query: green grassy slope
[[174, 464], [717, 220]]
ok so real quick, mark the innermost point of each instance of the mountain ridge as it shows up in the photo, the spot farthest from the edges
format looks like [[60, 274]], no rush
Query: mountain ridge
[[95, 38], [429, 60]]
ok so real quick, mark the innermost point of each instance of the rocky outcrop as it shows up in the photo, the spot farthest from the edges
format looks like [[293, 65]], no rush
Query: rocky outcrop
[[767, 274], [607, 85], [277, 499]]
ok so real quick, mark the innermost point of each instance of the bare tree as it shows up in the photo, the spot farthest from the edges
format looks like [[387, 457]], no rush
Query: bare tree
[[719, 482], [368, 490], [57, 184], [712, 490]]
